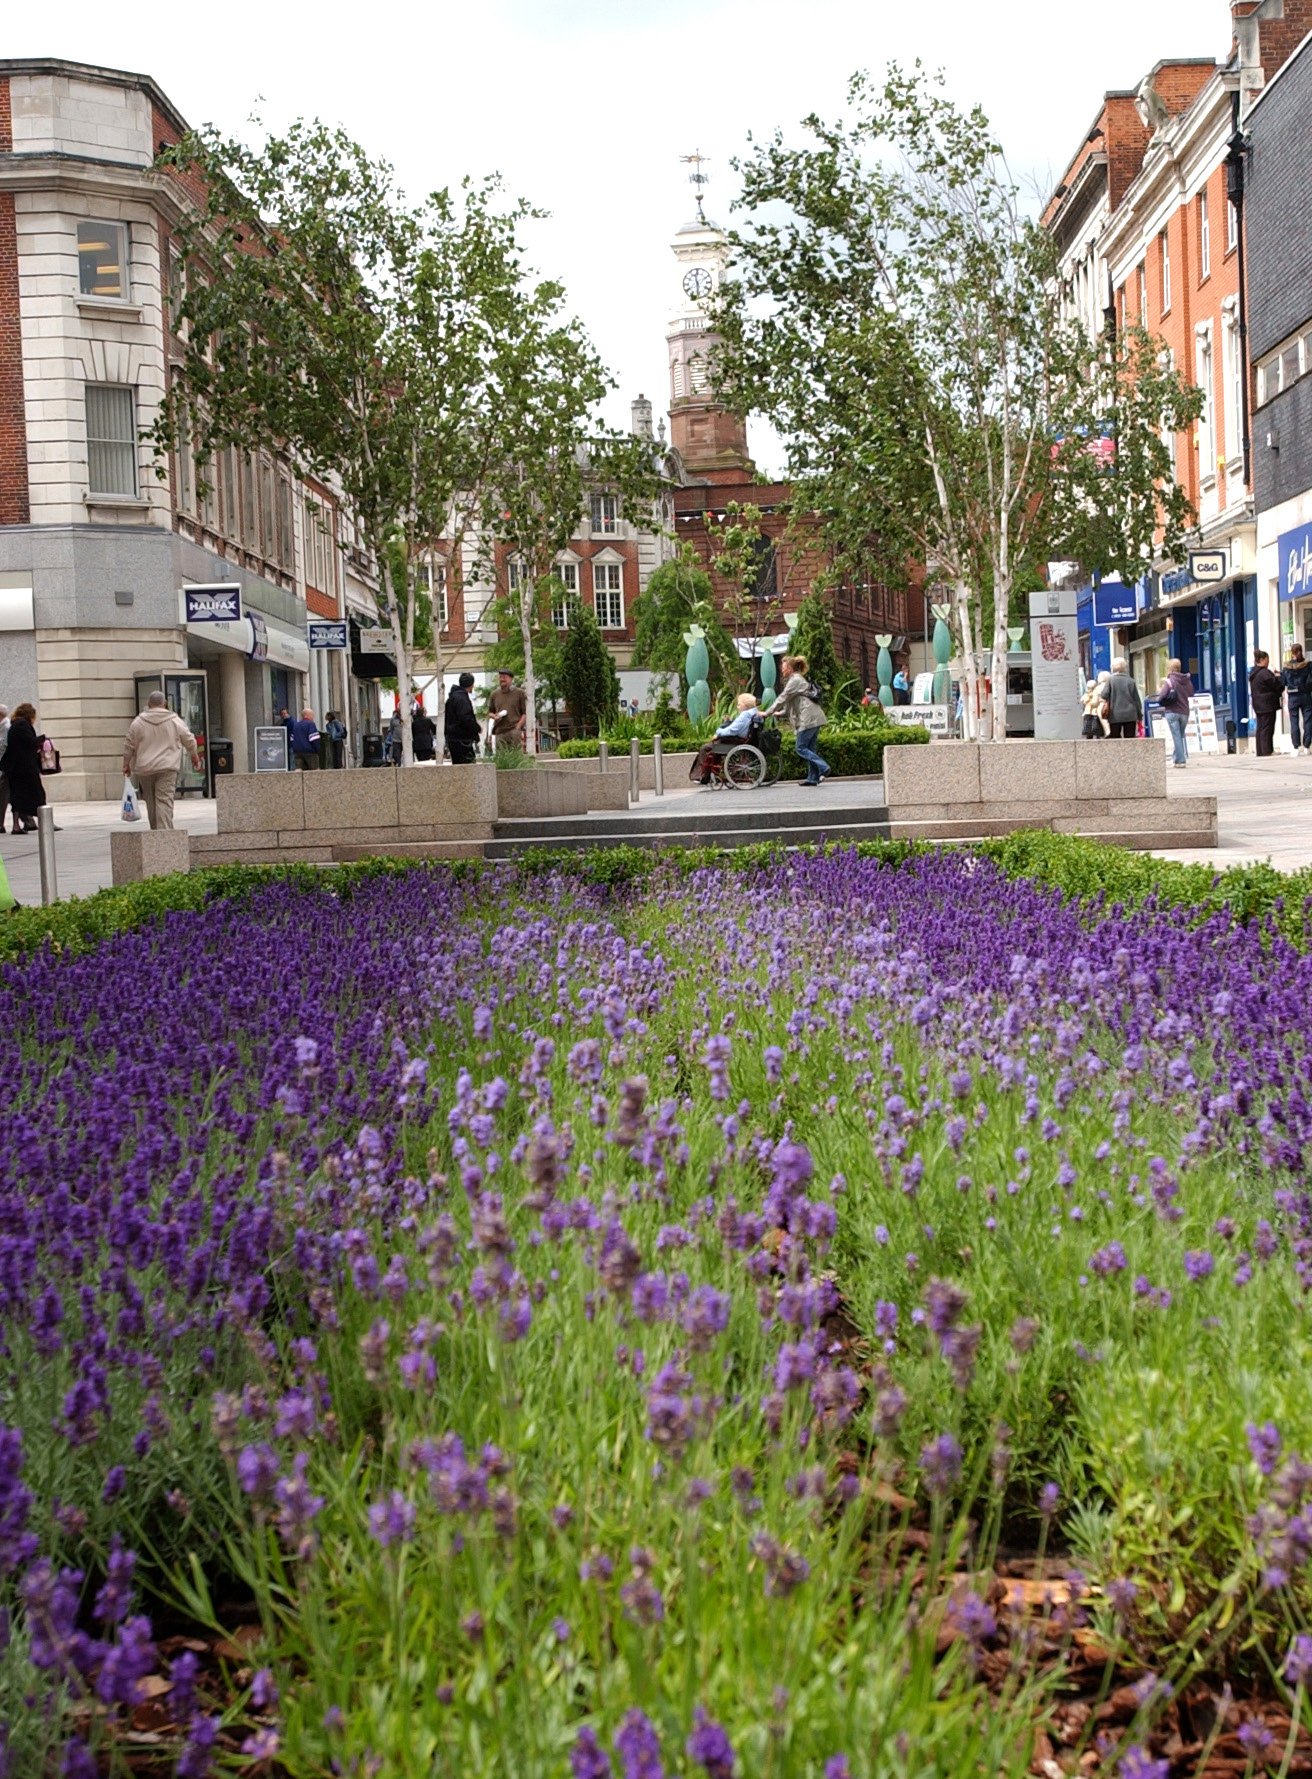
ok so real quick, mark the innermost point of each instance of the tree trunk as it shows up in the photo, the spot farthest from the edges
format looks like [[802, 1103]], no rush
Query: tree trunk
[[1001, 642], [402, 663], [530, 681], [966, 630]]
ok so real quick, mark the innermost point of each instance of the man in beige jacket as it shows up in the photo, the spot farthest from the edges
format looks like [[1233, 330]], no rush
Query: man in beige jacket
[[152, 753]]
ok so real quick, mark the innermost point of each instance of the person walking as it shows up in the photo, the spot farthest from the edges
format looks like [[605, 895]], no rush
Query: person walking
[[1124, 702], [152, 753], [335, 730], [462, 729], [798, 702], [21, 766], [1177, 689], [4, 782], [1265, 690], [305, 742], [288, 722], [423, 733], [394, 745], [1094, 703], [1297, 678], [901, 687], [508, 709]]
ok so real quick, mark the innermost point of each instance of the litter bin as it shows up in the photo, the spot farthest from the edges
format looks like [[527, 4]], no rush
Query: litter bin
[[371, 749], [223, 756]]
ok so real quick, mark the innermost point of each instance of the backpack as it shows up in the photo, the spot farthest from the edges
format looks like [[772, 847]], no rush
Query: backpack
[[1169, 697]]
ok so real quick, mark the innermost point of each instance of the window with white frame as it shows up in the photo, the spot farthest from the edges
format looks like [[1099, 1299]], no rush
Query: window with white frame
[[1143, 294], [605, 515], [1234, 391], [320, 548], [1282, 368], [1207, 419], [514, 575], [1231, 226], [430, 580], [608, 594], [102, 260], [1204, 237], [567, 573], [1164, 242], [111, 440]]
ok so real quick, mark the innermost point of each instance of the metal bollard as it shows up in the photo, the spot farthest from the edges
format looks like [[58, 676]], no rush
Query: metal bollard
[[45, 843], [658, 766], [603, 755], [635, 771]]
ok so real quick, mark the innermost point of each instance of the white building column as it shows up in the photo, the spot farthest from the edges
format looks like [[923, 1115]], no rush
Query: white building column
[[232, 683]]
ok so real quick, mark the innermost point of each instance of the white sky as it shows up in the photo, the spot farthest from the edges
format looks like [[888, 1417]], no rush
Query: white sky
[[584, 106]]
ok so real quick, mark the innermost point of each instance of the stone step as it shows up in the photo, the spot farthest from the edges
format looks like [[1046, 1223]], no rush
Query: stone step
[[703, 818], [655, 839]]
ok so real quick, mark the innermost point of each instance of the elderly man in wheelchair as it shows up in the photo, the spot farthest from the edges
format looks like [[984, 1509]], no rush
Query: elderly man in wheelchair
[[741, 754]]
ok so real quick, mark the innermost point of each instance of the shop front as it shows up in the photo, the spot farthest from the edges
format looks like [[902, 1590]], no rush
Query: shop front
[[1295, 588], [254, 666], [1209, 626]]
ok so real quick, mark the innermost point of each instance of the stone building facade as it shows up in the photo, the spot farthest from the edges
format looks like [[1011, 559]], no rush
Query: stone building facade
[[98, 542]]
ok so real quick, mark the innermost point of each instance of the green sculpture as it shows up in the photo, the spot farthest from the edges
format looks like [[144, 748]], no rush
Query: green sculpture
[[768, 675], [696, 669], [1017, 634], [942, 688], [884, 672]]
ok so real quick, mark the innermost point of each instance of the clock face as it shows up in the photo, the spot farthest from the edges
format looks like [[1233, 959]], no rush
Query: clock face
[[697, 282]]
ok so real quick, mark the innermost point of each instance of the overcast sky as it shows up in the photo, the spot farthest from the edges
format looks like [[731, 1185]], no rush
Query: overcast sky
[[584, 106]]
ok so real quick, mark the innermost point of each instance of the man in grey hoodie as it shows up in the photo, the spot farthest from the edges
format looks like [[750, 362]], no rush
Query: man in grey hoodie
[[152, 752]]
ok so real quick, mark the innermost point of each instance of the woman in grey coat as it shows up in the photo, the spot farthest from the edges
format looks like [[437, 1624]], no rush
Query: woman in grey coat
[[798, 704], [1124, 703]]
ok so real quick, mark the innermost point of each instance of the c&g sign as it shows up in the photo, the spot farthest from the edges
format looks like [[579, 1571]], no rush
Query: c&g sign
[[1295, 549]]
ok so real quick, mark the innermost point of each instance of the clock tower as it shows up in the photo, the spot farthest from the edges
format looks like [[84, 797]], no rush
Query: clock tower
[[711, 441]]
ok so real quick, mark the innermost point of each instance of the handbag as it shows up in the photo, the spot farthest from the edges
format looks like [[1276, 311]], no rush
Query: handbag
[[48, 758]]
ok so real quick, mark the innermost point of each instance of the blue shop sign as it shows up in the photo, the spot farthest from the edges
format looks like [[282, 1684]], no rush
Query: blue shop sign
[[219, 604], [1295, 549], [1115, 604]]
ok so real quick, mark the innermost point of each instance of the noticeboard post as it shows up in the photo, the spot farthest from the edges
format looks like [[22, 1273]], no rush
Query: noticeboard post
[[271, 748], [1055, 665]]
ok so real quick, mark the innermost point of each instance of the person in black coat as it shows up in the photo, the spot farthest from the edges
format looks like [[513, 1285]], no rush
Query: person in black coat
[[462, 730], [1265, 690], [1297, 678], [22, 769], [423, 733]]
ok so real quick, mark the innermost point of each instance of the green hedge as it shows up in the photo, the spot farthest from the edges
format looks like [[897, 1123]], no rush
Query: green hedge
[[82, 922], [1082, 870], [852, 753]]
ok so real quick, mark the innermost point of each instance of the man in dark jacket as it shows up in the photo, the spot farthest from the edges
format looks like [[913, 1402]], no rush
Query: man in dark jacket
[[1265, 691], [1297, 678], [305, 742], [462, 731]]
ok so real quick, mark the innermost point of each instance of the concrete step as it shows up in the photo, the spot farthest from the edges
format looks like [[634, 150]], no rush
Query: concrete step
[[656, 839], [704, 817]]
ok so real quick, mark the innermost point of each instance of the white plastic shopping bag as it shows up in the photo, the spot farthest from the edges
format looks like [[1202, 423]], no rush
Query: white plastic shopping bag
[[131, 810]]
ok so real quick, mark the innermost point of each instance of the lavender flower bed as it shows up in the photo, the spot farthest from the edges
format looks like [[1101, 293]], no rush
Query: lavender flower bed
[[592, 1329]]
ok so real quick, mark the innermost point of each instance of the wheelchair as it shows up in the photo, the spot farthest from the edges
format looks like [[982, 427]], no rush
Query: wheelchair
[[744, 765]]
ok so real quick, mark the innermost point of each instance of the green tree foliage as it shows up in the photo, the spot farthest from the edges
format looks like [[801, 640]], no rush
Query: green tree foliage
[[897, 317], [589, 683], [397, 351], [814, 638], [679, 594], [547, 641]]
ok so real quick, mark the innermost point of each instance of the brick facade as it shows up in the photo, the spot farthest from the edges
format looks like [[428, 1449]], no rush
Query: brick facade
[[14, 505]]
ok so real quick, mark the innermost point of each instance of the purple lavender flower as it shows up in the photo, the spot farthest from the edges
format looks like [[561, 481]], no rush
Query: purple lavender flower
[[392, 1521], [638, 1746], [1298, 1663], [1138, 1763], [1198, 1264], [1265, 1444], [196, 1757], [940, 1465], [837, 1767], [710, 1747], [587, 1760], [264, 1690]]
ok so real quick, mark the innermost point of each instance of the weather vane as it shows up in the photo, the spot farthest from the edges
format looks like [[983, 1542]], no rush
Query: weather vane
[[697, 178]]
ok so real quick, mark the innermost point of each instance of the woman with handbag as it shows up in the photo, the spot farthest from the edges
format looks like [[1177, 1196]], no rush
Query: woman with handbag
[[1096, 726], [22, 768]]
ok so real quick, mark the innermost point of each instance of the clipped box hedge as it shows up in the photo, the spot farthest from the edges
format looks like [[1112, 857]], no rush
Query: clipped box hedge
[[852, 753]]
